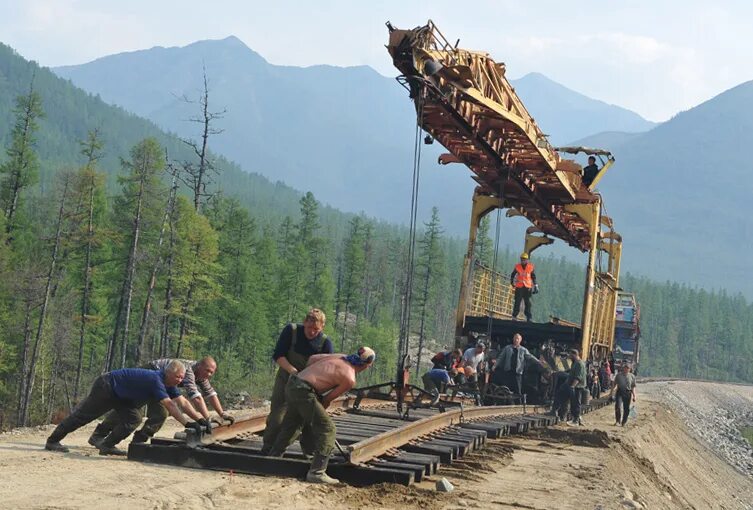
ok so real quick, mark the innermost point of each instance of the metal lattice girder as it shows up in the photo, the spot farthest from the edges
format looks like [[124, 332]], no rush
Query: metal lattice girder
[[491, 293], [464, 100]]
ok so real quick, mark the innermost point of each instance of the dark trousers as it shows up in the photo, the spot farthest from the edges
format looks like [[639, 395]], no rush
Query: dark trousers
[[524, 294], [514, 381], [562, 398], [578, 397], [307, 415], [430, 385], [156, 415], [100, 400], [622, 403], [277, 409]]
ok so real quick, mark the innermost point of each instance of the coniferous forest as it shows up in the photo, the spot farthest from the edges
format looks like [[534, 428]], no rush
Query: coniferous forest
[[120, 243]]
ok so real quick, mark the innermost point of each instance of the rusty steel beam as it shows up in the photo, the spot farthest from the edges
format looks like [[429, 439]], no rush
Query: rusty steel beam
[[256, 422], [370, 448]]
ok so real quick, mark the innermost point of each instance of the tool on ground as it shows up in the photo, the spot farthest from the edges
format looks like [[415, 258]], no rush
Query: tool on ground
[[344, 453]]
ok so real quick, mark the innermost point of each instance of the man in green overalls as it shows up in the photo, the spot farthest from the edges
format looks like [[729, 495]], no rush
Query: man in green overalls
[[308, 395], [297, 343]]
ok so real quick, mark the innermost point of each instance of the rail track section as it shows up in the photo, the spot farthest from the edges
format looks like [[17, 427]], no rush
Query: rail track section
[[376, 444]]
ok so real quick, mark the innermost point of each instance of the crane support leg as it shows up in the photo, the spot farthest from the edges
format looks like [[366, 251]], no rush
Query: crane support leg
[[591, 213], [482, 205]]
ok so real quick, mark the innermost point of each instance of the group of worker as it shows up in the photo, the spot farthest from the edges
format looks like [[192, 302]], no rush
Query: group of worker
[[310, 376], [120, 395], [460, 366], [570, 388]]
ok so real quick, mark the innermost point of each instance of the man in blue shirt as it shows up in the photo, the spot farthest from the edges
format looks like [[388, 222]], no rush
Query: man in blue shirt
[[197, 386], [436, 379], [297, 343], [123, 391]]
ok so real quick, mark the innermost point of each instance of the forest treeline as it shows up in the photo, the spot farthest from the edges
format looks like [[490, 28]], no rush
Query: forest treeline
[[171, 259]]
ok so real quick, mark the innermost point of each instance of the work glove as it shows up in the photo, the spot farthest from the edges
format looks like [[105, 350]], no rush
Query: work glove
[[195, 426], [206, 425], [535, 289], [228, 417]]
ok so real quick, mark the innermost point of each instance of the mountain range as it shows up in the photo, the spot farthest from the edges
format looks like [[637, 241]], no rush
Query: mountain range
[[678, 192], [345, 133]]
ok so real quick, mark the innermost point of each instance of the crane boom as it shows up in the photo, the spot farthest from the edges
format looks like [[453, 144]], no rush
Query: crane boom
[[464, 100]]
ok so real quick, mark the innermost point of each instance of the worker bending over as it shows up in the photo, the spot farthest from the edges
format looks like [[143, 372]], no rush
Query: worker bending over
[[447, 360], [124, 391], [297, 343], [474, 357], [437, 379], [197, 386], [308, 394], [523, 279]]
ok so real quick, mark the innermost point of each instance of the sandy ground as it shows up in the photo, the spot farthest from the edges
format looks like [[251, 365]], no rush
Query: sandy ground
[[652, 463]]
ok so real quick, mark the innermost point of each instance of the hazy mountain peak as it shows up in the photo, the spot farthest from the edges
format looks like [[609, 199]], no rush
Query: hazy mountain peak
[[566, 114], [230, 43]]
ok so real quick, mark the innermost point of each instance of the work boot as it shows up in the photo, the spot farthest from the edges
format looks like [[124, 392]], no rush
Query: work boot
[[96, 440], [139, 437], [55, 446], [111, 450], [318, 471]]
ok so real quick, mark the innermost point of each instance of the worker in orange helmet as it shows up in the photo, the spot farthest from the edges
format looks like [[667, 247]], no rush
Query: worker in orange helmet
[[523, 280]]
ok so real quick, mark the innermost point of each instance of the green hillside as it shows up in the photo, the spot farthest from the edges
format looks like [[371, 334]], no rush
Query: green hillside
[[70, 113]]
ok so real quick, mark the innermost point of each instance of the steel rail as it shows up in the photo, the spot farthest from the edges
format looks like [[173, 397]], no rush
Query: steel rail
[[256, 422], [368, 449]]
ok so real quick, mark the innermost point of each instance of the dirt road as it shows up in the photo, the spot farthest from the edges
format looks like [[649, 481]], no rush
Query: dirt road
[[653, 463]]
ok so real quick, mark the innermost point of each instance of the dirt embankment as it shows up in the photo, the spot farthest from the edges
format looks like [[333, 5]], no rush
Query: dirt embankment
[[655, 462]]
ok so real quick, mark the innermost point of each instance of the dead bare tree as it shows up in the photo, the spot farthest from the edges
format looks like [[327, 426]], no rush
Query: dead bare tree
[[197, 175]]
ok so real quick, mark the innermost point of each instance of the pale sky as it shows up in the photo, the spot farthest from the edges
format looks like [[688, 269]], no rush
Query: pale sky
[[656, 57]]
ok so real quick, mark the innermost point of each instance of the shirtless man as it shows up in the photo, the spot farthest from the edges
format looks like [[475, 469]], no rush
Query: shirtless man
[[308, 394]]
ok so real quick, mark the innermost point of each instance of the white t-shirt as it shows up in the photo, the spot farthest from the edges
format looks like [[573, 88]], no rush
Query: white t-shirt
[[472, 358]]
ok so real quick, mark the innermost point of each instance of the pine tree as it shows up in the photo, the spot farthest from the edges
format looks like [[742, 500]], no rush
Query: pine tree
[[353, 264], [30, 375], [483, 250], [195, 276], [20, 171], [156, 267], [88, 191], [141, 188], [429, 273], [312, 269]]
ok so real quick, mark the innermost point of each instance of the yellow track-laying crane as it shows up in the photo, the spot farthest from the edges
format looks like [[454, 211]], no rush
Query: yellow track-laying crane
[[464, 101]]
